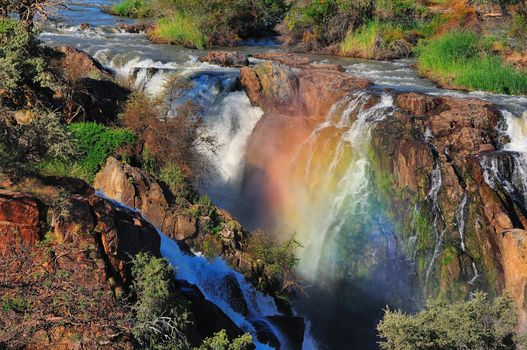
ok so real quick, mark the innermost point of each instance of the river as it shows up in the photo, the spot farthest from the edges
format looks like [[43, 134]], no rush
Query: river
[[323, 193]]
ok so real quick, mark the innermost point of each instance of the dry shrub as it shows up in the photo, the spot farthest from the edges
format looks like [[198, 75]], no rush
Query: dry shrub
[[169, 140]]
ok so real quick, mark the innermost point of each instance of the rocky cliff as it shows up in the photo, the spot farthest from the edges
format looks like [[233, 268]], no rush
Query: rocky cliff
[[433, 161], [65, 254]]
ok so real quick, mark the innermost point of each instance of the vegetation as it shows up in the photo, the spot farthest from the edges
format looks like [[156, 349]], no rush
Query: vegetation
[[94, 143], [23, 64], [279, 260], [475, 324], [464, 60], [221, 341], [24, 147], [199, 23], [161, 320]]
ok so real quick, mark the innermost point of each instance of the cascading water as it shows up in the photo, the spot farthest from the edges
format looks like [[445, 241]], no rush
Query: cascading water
[[211, 279]]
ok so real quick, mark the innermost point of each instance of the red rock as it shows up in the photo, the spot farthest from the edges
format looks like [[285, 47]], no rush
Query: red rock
[[225, 59], [19, 220]]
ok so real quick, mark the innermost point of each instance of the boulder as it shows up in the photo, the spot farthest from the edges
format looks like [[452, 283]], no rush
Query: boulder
[[225, 59], [20, 220]]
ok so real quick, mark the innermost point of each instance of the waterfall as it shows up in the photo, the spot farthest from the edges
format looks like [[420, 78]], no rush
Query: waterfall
[[211, 276], [331, 173]]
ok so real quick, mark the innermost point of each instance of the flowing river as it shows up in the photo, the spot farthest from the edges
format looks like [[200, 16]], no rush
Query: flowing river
[[322, 193]]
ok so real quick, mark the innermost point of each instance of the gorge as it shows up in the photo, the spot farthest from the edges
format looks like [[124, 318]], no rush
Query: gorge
[[397, 191]]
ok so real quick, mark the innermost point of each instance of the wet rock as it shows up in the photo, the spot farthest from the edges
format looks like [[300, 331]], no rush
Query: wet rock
[[225, 59], [84, 26], [296, 61], [417, 104], [136, 28], [235, 295], [293, 329]]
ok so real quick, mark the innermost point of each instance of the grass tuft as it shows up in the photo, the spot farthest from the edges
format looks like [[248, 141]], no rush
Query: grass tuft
[[464, 60], [181, 29], [131, 8]]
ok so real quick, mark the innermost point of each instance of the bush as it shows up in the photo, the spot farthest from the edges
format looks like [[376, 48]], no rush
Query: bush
[[220, 341], [173, 177], [279, 260], [96, 142], [24, 147], [474, 324], [23, 66], [518, 26], [464, 60], [161, 321]]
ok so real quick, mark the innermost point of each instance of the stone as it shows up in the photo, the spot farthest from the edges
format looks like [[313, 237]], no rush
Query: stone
[[225, 59]]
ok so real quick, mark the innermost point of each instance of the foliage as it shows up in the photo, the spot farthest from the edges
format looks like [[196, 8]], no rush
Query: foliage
[[220, 341], [23, 147], [174, 140], [198, 23], [23, 66], [182, 29], [173, 177], [464, 60], [279, 260], [475, 324], [96, 142], [131, 8], [518, 26], [161, 320]]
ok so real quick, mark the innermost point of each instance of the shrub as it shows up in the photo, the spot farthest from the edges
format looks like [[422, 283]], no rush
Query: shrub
[[24, 147], [464, 60], [279, 260], [474, 324], [161, 320], [173, 177], [96, 142], [518, 26], [23, 66], [221, 341]]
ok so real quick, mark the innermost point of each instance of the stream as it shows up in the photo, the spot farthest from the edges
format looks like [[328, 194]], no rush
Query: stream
[[323, 193]]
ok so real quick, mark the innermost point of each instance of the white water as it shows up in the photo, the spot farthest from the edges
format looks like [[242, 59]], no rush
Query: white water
[[210, 277], [231, 121], [336, 196]]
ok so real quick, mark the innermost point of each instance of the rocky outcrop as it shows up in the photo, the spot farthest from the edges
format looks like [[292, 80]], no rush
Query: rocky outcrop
[[88, 91], [431, 162], [204, 228], [225, 59], [65, 254]]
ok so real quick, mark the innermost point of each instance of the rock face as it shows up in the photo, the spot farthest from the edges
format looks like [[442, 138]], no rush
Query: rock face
[[133, 187], [59, 288], [89, 92], [431, 161]]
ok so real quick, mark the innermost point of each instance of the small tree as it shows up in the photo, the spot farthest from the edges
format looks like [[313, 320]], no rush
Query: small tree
[[475, 324], [23, 66], [23, 147], [220, 341]]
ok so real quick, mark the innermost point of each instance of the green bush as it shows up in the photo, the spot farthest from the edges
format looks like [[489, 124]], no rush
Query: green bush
[[475, 324], [161, 320], [519, 26], [23, 66], [279, 260], [173, 177], [96, 142], [464, 60], [220, 341]]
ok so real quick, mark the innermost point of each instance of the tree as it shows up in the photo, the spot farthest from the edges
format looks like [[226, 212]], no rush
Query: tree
[[475, 324], [23, 147]]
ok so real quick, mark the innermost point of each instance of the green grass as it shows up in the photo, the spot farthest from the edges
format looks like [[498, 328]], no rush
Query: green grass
[[131, 8], [94, 144], [364, 41], [464, 60], [181, 29]]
